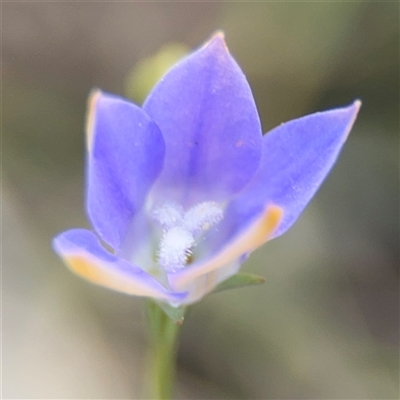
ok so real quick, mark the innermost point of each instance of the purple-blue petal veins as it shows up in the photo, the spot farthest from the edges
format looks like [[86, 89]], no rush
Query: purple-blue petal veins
[[206, 112], [125, 153]]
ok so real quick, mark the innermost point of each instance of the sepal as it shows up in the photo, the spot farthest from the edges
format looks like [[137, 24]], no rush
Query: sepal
[[175, 314], [239, 280]]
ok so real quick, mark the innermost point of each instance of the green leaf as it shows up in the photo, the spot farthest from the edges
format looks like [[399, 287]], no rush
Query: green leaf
[[239, 280], [176, 314]]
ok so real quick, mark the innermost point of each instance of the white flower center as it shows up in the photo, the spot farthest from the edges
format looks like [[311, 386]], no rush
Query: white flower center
[[182, 231]]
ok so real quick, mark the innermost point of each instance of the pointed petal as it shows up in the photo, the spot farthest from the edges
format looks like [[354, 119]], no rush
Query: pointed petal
[[206, 113], [85, 256], [257, 234], [297, 156], [125, 151]]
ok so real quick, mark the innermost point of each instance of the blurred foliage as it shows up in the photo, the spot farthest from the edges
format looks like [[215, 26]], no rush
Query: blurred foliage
[[279, 41], [148, 71], [326, 322]]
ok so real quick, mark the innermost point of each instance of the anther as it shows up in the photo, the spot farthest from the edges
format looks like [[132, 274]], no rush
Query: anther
[[168, 215], [175, 248], [182, 230], [203, 216]]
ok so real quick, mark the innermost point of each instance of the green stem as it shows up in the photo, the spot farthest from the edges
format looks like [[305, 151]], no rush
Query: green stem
[[163, 334]]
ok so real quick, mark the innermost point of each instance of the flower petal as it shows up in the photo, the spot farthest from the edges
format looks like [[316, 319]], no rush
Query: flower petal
[[206, 113], [297, 156], [85, 256], [204, 284], [125, 156], [257, 234]]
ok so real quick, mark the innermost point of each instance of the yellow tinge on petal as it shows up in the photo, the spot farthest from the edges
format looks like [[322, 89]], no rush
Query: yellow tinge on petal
[[257, 234], [92, 102], [93, 271], [220, 35]]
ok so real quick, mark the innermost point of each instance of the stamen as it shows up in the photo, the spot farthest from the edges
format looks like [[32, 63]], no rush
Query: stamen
[[175, 248], [169, 215], [182, 230], [203, 216]]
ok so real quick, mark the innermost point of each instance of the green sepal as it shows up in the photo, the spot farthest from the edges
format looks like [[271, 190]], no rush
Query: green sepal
[[239, 280], [175, 314]]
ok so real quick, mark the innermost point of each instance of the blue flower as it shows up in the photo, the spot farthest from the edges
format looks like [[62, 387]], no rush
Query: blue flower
[[184, 188]]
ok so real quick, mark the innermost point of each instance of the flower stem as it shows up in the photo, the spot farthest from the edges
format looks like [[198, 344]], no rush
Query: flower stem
[[163, 335]]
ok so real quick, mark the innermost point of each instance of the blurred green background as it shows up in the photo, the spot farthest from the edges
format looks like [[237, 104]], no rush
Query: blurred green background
[[325, 325]]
